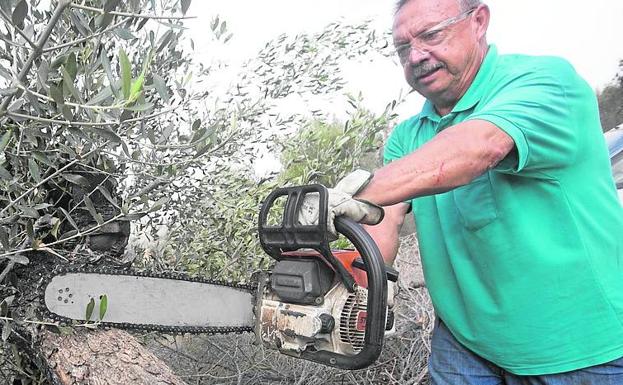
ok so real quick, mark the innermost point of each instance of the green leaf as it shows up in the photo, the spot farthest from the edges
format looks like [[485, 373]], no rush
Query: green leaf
[[4, 141], [110, 5], [69, 218], [140, 107], [71, 66], [18, 258], [137, 88], [4, 238], [164, 40], [108, 196], [124, 34], [161, 87], [104, 94], [111, 79], [159, 203], [69, 83], [106, 134], [132, 217], [35, 171], [214, 23], [4, 305], [56, 93], [19, 14], [103, 306], [77, 179], [89, 204], [89, 311], [41, 157], [185, 5], [126, 73], [6, 331]]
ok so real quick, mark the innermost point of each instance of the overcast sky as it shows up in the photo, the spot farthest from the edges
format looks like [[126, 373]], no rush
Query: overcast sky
[[588, 34]]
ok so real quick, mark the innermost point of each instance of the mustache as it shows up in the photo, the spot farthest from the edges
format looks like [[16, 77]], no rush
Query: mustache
[[419, 70]]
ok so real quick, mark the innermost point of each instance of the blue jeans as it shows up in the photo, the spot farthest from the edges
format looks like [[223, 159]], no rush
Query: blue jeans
[[452, 364]]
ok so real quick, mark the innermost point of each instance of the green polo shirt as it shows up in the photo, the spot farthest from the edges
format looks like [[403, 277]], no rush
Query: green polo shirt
[[525, 263]]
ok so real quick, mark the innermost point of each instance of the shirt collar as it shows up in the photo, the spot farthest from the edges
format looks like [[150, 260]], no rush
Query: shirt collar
[[474, 92], [476, 89]]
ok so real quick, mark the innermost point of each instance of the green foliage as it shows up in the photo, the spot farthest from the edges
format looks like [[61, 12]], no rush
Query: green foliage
[[611, 102], [83, 92], [89, 310], [324, 152], [214, 230]]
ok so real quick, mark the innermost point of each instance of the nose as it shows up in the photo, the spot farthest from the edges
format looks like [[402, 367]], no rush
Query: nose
[[418, 55]]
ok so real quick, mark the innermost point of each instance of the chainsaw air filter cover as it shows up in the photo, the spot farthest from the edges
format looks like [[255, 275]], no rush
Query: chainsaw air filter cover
[[301, 281]]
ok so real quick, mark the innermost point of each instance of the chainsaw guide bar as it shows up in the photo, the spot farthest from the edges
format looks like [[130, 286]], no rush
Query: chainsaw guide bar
[[140, 296]]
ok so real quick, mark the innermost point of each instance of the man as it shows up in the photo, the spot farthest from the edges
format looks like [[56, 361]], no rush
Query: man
[[507, 174]]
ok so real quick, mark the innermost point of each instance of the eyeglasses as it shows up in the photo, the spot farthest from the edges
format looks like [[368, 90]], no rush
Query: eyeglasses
[[430, 38]]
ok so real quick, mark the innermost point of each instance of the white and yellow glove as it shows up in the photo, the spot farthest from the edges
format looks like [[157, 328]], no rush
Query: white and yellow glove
[[342, 203]]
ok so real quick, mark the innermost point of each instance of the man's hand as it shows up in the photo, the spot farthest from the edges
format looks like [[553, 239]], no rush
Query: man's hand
[[341, 202]]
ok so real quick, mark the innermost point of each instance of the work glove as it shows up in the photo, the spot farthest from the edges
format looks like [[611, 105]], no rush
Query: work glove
[[341, 202]]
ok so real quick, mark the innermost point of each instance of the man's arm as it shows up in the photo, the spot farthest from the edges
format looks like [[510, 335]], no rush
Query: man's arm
[[386, 233], [453, 158]]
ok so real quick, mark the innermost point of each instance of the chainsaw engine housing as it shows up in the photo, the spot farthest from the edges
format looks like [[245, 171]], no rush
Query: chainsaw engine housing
[[306, 308]]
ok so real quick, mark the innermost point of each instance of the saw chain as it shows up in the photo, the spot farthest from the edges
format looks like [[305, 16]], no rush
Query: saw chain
[[250, 287]]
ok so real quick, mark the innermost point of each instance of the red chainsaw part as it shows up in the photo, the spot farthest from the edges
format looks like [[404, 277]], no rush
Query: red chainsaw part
[[346, 258]]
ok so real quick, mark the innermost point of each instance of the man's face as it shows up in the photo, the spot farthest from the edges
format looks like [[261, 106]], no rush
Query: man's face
[[438, 47]]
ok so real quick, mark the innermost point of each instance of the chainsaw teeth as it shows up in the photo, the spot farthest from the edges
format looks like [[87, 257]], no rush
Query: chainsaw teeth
[[63, 321]]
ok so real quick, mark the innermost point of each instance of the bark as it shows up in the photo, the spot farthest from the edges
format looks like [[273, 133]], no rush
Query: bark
[[102, 357]]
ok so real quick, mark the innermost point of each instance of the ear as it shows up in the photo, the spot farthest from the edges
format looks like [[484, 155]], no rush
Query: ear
[[481, 20]]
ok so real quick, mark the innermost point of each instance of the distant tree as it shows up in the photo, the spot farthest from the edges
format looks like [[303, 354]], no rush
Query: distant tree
[[611, 102]]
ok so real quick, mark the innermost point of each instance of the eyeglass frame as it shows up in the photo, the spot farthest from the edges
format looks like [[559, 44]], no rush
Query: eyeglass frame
[[404, 50]]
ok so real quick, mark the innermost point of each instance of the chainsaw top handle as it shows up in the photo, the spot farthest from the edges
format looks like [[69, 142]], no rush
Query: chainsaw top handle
[[290, 235]]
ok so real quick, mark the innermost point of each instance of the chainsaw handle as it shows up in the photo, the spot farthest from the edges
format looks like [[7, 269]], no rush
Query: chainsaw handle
[[291, 235], [377, 301]]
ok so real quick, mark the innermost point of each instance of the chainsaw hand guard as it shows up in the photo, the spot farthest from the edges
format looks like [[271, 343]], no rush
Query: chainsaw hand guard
[[290, 235]]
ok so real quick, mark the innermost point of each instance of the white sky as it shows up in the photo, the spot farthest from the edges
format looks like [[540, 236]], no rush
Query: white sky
[[587, 33]]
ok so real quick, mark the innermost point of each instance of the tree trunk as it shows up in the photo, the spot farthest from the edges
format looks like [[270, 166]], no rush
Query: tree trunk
[[102, 357]]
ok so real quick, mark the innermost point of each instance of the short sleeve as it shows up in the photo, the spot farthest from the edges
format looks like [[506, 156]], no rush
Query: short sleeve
[[396, 145], [534, 107]]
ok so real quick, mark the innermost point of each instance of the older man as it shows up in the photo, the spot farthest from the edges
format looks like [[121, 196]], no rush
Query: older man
[[507, 174]]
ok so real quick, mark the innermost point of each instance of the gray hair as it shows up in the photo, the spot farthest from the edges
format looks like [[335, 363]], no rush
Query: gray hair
[[463, 4]]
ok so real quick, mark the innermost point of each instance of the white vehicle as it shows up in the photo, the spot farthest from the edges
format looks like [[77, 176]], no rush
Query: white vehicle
[[614, 139]]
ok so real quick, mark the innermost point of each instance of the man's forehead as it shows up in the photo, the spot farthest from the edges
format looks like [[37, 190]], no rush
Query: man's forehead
[[416, 13]]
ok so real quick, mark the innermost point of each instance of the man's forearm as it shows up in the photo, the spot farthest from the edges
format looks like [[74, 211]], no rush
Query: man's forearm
[[386, 233], [451, 159]]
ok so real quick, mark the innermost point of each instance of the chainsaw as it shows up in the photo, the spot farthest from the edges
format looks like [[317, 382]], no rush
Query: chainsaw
[[323, 305]]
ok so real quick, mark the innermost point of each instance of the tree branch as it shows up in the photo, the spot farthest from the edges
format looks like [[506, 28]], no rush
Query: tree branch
[[19, 31], [78, 41], [88, 124], [43, 181], [77, 105], [46, 246], [134, 15], [21, 77]]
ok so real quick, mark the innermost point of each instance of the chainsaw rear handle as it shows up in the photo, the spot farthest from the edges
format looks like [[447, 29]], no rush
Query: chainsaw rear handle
[[290, 236]]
